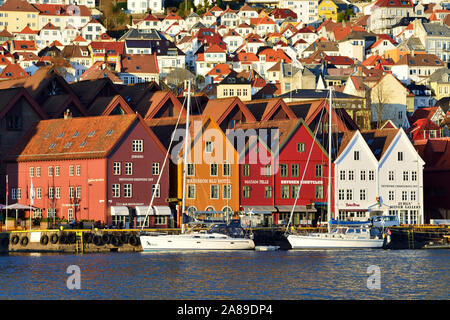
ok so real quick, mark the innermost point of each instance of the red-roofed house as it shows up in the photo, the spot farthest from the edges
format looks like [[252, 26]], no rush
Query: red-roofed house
[[265, 25], [87, 156], [92, 30], [386, 13], [13, 71], [134, 68]]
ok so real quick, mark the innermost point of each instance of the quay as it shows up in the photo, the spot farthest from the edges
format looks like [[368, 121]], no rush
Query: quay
[[127, 240]]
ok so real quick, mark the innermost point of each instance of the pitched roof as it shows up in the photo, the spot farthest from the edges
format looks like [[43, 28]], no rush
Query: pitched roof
[[13, 71], [429, 60], [18, 5], [379, 140], [139, 63], [73, 138]]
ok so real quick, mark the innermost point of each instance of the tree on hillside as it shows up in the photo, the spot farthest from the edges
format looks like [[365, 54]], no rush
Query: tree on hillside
[[380, 98]]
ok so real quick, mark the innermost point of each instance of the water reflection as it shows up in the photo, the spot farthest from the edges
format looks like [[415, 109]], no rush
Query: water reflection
[[320, 274]]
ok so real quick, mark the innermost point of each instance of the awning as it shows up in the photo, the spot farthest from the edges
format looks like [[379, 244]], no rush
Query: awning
[[18, 206], [296, 209], [378, 207], [143, 210], [260, 209], [119, 211], [162, 211]]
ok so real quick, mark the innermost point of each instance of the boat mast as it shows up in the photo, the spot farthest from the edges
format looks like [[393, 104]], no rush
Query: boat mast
[[330, 108], [186, 143]]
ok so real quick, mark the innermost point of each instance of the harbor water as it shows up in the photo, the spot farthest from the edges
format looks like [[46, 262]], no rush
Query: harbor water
[[283, 275]]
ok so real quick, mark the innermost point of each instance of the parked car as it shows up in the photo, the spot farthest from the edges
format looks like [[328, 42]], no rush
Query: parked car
[[385, 221]]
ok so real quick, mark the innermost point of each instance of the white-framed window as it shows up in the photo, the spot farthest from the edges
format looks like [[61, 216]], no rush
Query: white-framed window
[[116, 190], [38, 193], [363, 175], [138, 145], [191, 169], [391, 175], [404, 195], [70, 214], [341, 194], [349, 194], [155, 168], [50, 192], [362, 194], [78, 171], [127, 190], [413, 175], [78, 192], [58, 192], [413, 196], [50, 171], [129, 168], [356, 155], [208, 147], [227, 191], [191, 191], [213, 169], [400, 156], [351, 175], [371, 175], [226, 170], [342, 175], [405, 175], [246, 192], [156, 190], [318, 192], [71, 170], [214, 191], [57, 171], [38, 171], [71, 192], [391, 195], [51, 213], [116, 168], [31, 172]]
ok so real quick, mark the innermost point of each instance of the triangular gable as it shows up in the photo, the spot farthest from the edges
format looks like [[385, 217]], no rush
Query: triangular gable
[[22, 93], [207, 123], [56, 106], [314, 113], [277, 110], [160, 106], [219, 109], [117, 102]]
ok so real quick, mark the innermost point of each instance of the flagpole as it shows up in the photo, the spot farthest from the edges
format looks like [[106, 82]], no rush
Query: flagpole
[[7, 195]]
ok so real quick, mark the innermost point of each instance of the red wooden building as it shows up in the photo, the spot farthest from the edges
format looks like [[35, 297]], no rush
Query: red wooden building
[[298, 161], [96, 168]]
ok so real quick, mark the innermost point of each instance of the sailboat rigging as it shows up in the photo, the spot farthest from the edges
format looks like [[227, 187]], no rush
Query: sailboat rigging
[[219, 237], [341, 236]]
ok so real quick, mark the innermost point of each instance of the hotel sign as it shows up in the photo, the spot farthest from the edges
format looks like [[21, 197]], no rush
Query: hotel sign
[[256, 181], [214, 181], [304, 182]]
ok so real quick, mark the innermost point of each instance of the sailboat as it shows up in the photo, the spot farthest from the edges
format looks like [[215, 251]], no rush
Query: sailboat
[[220, 236], [342, 236]]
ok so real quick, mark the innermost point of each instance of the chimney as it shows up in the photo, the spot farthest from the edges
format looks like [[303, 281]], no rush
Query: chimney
[[413, 53], [119, 64], [67, 114]]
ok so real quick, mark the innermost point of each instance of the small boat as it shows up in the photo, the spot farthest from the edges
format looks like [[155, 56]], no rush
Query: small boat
[[222, 236], [219, 237], [339, 237], [345, 235]]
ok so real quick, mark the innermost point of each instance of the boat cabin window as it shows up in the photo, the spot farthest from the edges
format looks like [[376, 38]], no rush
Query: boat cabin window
[[358, 231], [350, 231]]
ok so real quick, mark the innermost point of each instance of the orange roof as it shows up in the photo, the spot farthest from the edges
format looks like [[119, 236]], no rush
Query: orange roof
[[13, 71], [219, 69], [214, 49]]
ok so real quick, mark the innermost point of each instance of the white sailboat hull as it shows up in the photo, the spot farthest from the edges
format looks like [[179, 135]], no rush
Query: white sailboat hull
[[317, 242], [191, 242]]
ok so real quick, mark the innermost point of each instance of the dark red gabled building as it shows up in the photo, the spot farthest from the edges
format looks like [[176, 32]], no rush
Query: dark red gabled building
[[96, 168], [291, 169]]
